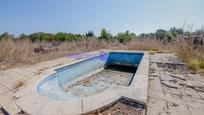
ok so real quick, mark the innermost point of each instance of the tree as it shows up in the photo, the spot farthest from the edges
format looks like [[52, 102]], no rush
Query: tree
[[90, 34], [41, 36], [143, 35], [48, 37], [106, 35], [163, 35], [61, 36], [23, 36], [6, 35], [176, 31], [124, 37], [169, 37]]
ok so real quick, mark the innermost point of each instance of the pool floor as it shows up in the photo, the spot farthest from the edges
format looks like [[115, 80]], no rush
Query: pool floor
[[111, 75]]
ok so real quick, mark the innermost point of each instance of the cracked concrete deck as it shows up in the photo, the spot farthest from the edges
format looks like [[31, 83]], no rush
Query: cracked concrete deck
[[173, 88], [18, 90]]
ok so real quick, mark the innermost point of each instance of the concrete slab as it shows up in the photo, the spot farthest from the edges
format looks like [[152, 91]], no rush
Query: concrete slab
[[63, 108], [31, 103], [173, 91]]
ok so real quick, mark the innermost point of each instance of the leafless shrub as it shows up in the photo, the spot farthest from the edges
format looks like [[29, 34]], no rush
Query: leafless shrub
[[186, 51]]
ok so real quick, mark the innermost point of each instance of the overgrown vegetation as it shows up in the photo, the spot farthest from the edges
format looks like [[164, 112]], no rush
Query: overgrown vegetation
[[19, 50], [193, 56]]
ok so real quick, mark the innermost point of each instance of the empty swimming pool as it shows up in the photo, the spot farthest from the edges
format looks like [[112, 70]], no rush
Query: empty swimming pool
[[91, 76]]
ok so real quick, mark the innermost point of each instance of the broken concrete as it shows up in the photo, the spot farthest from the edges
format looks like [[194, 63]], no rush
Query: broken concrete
[[173, 88]]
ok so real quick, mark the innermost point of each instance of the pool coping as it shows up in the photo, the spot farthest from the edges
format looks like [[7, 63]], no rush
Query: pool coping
[[34, 103]]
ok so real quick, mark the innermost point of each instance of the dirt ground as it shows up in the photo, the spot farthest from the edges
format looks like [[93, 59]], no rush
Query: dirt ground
[[173, 88], [112, 75], [122, 107]]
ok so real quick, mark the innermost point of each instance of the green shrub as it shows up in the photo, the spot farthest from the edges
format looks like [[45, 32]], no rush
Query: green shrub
[[106, 35], [125, 37]]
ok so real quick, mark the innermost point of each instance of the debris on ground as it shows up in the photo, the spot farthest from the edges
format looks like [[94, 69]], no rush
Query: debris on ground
[[112, 75], [53, 47], [122, 107]]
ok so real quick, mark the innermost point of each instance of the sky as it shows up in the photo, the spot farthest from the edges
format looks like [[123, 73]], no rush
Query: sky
[[80, 16]]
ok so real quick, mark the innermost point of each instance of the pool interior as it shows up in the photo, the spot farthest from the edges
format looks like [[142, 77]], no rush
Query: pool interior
[[90, 76], [111, 75]]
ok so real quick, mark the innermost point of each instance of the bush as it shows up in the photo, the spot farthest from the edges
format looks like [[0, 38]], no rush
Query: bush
[[105, 35], [48, 37], [6, 35], [125, 37], [90, 34]]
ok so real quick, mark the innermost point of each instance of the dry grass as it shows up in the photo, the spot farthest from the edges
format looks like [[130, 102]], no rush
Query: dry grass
[[12, 52], [194, 57], [20, 52], [146, 44]]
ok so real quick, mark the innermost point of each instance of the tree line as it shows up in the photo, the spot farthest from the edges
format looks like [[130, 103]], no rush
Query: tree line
[[123, 37]]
